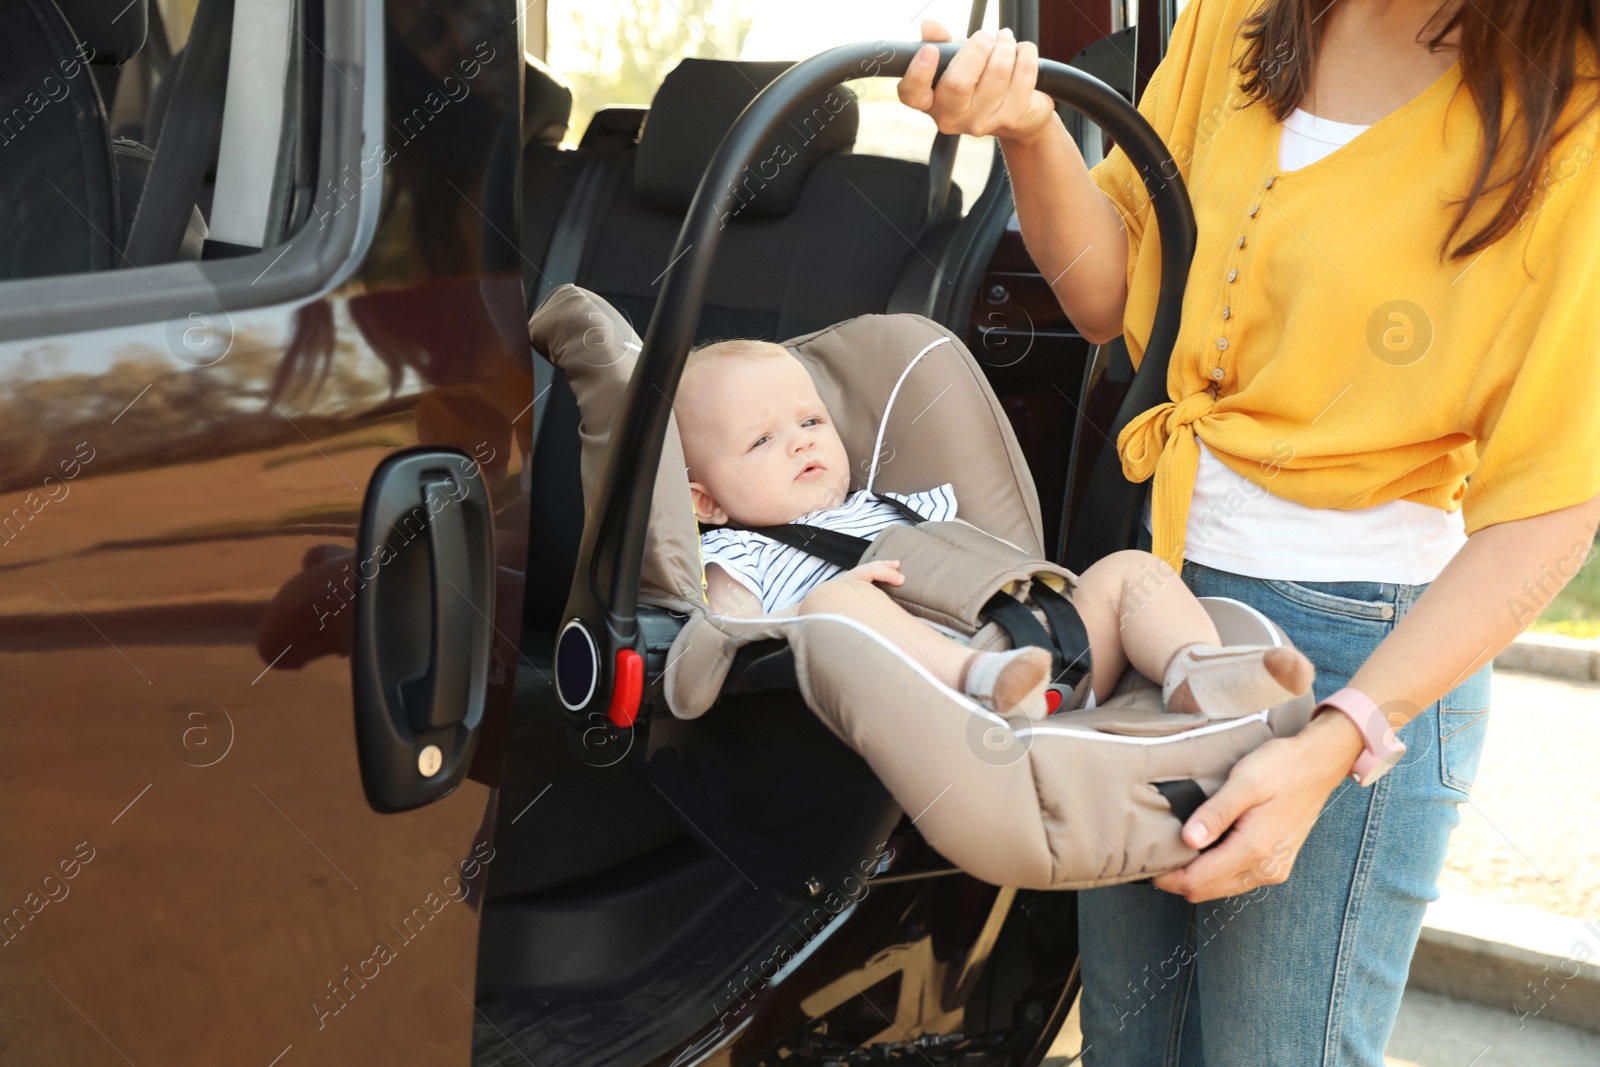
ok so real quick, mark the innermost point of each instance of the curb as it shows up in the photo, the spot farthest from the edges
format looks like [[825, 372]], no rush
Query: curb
[[1534, 964], [1553, 656]]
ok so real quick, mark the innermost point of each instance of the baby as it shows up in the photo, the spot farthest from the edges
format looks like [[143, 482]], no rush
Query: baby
[[762, 451]]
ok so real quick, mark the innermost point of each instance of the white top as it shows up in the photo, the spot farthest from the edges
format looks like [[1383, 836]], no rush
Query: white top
[[1239, 526], [782, 575], [1306, 139]]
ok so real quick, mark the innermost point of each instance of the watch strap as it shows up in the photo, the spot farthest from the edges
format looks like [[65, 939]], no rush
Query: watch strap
[[1381, 749]]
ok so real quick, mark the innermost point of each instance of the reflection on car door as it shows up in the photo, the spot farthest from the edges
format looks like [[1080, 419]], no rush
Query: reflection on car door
[[190, 870]]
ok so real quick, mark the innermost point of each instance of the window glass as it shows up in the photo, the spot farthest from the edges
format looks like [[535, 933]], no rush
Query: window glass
[[81, 142], [178, 16], [618, 52]]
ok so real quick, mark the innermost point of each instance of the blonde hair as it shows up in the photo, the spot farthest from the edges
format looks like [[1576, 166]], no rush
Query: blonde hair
[[707, 355]]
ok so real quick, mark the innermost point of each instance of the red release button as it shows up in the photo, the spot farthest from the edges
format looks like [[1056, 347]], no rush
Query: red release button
[[628, 688], [1052, 700]]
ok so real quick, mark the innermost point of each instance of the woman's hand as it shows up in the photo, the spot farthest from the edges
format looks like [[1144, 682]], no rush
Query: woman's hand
[[1271, 800], [988, 88], [886, 571]]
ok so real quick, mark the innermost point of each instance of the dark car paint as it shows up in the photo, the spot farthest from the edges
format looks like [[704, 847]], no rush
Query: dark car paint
[[185, 825]]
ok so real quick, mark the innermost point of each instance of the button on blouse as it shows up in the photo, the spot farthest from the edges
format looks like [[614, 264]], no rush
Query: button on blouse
[[1504, 349]]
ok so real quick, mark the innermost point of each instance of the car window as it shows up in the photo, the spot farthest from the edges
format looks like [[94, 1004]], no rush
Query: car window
[[618, 52], [90, 184]]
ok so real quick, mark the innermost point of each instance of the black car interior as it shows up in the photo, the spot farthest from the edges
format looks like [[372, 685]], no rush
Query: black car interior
[[767, 795], [78, 195]]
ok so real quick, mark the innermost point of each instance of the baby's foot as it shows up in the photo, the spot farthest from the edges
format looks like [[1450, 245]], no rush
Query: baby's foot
[[1009, 682], [1237, 680]]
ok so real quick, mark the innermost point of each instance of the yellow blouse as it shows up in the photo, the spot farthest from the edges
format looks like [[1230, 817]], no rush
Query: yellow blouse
[[1326, 352]]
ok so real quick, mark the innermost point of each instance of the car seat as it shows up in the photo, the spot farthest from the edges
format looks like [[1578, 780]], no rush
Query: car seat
[[1083, 798]]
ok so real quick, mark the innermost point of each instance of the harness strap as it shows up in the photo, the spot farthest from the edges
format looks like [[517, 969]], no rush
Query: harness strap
[[1071, 637], [1019, 623], [840, 549], [902, 507]]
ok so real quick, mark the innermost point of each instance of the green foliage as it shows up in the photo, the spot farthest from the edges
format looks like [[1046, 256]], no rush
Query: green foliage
[[1575, 612]]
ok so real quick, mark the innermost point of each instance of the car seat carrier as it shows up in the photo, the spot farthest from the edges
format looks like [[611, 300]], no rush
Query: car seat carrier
[[737, 722], [1084, 797]]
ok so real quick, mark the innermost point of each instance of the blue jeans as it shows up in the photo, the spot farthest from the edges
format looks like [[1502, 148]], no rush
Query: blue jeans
[[1309, 972]]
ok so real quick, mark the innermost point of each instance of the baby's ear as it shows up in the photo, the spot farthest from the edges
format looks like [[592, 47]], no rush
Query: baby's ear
[[706, 509]]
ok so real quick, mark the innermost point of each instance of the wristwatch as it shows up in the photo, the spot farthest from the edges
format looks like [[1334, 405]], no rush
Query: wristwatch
[[1381, 749]]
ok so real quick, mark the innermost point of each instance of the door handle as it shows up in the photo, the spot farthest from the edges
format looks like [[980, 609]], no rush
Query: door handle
[[423, 625], [440, 703]]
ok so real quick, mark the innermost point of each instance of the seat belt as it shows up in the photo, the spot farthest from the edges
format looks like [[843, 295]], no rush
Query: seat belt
[[591, 194], [190, 136]]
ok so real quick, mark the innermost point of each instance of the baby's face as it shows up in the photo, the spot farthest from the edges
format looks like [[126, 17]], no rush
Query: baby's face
[[761, 447]]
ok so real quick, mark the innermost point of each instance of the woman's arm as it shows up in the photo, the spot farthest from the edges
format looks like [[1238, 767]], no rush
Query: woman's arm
[[1074, 234], [1501, 578], [1072, 230]]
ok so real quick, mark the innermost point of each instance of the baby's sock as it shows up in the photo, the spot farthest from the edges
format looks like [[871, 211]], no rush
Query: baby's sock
[[1008, 682], [1237, 680]]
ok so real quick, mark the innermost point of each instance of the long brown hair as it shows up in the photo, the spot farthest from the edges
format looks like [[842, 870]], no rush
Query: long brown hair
[[1529, 47]]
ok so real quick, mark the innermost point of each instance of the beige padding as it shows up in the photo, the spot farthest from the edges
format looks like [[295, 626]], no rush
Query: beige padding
[[951, 570], [1067, 802]]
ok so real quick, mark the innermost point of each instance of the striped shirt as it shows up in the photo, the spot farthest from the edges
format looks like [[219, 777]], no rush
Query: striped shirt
[[782, 575]]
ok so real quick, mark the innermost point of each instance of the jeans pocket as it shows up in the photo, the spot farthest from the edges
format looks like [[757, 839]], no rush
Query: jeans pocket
[[1463, 725], [1319, 599]]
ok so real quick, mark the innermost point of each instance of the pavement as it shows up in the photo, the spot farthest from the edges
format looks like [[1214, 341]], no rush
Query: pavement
[[1435, 1031], [1508, 968], [1554, 656], [1528, 834]]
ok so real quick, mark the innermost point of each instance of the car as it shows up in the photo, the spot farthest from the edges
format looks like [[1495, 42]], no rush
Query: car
[[290, 519]]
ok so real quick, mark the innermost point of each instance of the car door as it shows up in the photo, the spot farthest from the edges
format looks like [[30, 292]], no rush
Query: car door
[[234, 494]]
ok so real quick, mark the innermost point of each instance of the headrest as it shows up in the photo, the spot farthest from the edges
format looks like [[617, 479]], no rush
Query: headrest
[[546, 104], [946, 425], [113, 29], [695, 107]]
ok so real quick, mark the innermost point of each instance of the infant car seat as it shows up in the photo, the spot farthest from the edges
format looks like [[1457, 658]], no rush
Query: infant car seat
[[1081, 798]]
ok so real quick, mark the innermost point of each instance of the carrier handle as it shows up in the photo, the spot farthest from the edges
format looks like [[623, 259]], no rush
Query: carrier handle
[[601, 615]]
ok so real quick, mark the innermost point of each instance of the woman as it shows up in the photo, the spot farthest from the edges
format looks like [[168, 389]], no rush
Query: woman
[[1384, 300]]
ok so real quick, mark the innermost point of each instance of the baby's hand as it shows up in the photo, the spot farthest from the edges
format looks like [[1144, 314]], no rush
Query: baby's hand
[[881, 570]]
